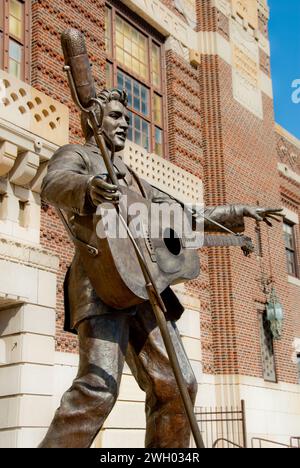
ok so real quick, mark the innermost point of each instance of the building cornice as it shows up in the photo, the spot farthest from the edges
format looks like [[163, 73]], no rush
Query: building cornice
[[287, 135]]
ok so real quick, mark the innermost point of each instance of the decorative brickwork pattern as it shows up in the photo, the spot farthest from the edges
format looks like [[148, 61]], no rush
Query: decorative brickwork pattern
[[223, 25], [289, 154], [263, 24], [241, 165], [183, 91], [265, 64]]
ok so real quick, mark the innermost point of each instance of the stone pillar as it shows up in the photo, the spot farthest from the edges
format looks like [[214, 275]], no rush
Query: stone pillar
[[27, 345]]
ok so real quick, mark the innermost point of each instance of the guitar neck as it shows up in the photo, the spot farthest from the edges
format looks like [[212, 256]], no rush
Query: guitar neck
[[225, 241]]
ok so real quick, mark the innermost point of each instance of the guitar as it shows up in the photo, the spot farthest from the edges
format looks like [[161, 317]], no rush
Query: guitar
[[113, 262], [112, 265]]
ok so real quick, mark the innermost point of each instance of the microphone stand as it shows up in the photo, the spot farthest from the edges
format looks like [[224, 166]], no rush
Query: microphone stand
[[155, 299]]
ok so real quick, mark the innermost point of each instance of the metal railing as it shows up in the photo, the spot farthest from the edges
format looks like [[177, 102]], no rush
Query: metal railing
[[295, 440], [272, 443], [222, 424], [229, 442]]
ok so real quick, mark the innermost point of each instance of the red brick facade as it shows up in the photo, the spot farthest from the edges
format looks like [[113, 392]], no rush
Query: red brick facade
[[213, 137]]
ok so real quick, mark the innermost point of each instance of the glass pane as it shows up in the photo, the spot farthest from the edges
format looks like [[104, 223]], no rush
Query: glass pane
[[15, 69], [15, 28], [130, 134], [109, 78], [145, 135], [15, 51], [139, 131], [158, 142], [131, 47], [289, 236], [138, 95], [108, 42], [156, 65], [16, 19], [158, 110], [15, 9], [291, 262]]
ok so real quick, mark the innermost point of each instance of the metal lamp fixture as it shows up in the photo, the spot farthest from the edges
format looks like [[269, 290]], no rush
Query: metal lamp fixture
[[275, 314]]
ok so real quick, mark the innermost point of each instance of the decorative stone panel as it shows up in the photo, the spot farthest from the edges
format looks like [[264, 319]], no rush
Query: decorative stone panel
[[245, 69], [164, 175], [32, 110], [248, 10]]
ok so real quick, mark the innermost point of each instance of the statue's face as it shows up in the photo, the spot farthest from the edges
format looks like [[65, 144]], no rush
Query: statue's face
[[115, 124]]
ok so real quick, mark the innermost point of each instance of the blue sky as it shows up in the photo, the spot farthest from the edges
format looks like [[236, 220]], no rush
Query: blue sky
[[284, 28]]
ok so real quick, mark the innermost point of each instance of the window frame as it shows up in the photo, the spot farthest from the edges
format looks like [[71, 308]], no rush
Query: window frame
[[25, 42], [293, 251], [152, 37]]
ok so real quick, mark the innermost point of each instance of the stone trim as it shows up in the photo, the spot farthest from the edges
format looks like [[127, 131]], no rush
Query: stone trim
[[29, 255], [33, 111], [291, 216], [287, 172], [163, 174], [294, 281], [287, 135], [164, 20]]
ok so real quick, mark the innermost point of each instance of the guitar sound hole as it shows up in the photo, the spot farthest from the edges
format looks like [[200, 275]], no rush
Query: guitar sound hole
[[172, 241]]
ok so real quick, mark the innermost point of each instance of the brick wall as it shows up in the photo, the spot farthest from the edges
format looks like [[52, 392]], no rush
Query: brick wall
[[186, 151], [289, 154]]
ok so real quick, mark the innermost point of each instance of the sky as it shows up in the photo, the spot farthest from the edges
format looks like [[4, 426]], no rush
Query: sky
[[284, 29]]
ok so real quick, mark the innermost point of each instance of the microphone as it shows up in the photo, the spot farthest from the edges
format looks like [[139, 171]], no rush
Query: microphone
[[76, 57]]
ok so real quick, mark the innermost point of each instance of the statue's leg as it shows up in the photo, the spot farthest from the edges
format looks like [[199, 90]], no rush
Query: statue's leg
[[167, 424], [103, 341]]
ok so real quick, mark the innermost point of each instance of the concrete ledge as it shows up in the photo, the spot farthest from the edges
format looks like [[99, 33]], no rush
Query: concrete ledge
[[294, 281], [289, 173]]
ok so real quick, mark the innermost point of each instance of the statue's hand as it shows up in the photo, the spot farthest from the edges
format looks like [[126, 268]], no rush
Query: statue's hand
[[100, 191], [264, 214]]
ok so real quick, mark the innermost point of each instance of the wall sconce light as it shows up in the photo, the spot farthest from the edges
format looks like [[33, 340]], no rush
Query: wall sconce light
[[275, 315]]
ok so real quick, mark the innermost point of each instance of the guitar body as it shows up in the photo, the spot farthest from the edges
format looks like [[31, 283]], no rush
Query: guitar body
[[115, 273]]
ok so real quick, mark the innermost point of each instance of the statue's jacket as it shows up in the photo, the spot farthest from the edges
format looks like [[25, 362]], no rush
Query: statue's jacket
[[65, 186]]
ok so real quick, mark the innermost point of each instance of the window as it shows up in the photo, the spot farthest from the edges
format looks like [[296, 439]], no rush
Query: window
[[267, 349], [290, 248], [298, 364], [15, 37], [134, 63]]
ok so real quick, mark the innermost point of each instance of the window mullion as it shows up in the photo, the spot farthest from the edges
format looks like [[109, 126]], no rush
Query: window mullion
[[151, 97], [295, 252], [113, 46]]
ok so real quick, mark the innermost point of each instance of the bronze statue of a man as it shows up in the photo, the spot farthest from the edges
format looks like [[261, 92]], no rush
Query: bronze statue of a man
[[108, 338]]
